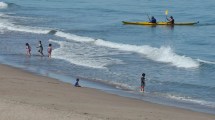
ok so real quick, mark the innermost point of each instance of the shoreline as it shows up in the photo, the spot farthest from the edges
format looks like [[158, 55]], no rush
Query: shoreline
[[25, 95]]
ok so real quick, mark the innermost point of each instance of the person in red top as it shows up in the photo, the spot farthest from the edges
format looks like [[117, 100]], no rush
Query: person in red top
[[49, 50], [28, 49]]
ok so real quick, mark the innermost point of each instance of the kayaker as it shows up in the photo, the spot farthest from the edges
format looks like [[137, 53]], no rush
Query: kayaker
[[171, 20], [153, 20]]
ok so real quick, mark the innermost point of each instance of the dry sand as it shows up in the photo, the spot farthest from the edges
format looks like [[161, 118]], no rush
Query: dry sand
[[26, 96]]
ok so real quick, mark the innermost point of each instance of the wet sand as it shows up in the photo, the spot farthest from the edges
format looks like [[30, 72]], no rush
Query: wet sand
[[27, 96]]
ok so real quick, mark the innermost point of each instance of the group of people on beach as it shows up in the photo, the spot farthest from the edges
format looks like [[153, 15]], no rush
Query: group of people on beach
[[40, 49], [170, 19], [49, 50]]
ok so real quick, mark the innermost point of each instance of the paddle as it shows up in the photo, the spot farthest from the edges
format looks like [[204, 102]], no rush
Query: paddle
[[148, 17], [166, 13]]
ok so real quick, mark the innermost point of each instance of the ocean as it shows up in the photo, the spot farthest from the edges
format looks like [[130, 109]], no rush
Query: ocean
[[91, 43]]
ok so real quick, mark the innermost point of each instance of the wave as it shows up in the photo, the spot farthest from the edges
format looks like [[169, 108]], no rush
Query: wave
[[74, 37], [191, 100], [83, 55], [3, 5], [164, 54], [6, 24], [6, 5], [204, 61]]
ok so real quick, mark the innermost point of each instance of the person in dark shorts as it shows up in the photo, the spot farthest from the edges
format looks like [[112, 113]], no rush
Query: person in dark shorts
[[40, 50], [142, 82], [77, 83]]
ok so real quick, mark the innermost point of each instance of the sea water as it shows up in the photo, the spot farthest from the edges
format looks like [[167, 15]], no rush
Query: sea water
[[90, 42]]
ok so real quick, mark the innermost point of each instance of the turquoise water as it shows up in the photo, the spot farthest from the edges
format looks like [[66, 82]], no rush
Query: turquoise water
[[91, 43]]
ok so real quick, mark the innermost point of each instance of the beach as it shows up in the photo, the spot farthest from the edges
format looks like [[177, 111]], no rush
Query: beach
[[27, 96], [89, 41]]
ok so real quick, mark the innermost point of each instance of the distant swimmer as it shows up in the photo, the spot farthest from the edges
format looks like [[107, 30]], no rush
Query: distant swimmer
[[152, 20], [28, 49], [171, 20], [49, 50], [77, 83], [40, 50], [142, 83]]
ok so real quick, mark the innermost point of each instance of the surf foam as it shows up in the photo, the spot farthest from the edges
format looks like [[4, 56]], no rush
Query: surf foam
[[83, 55], [4, 24], [191, 100], [8, 24], [3, 5], [163, 54], [73, 37]]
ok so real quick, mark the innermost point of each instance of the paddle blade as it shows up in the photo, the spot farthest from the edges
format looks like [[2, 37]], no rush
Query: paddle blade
[[166, 12]]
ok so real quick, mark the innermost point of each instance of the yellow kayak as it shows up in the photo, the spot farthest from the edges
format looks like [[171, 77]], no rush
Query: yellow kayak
[[160, 23]]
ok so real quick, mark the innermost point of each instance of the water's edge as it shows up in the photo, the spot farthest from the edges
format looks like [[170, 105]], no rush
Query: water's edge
[[113, 90]]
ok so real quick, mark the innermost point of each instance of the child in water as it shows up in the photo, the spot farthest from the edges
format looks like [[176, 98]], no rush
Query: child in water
[[142, 82], [28, 49], [49, 50], [77, 83], [40, 46]]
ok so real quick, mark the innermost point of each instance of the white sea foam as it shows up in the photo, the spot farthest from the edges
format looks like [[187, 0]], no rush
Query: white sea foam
[[10, 26], [83, 55], [74, 37], [3, 5], [163, 54], [204, 61], [191, 100]]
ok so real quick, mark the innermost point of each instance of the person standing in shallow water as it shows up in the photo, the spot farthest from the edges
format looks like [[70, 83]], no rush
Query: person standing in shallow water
[[40, 46], [28, 49], [142, 87], [49, 50]]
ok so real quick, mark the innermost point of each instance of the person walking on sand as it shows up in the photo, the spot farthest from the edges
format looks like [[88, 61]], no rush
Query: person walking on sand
[[28, 49], [142, 83], [49, 50], [77, 83], [40, 46]]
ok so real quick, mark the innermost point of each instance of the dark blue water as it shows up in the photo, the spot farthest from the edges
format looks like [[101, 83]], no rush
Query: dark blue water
[[90, 42]]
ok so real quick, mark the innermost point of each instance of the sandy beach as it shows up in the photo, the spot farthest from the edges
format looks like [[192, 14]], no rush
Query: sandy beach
[[27, 96]]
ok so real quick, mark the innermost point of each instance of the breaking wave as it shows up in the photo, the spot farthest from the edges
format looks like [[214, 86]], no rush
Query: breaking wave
[[3, 5], [164, 54]]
